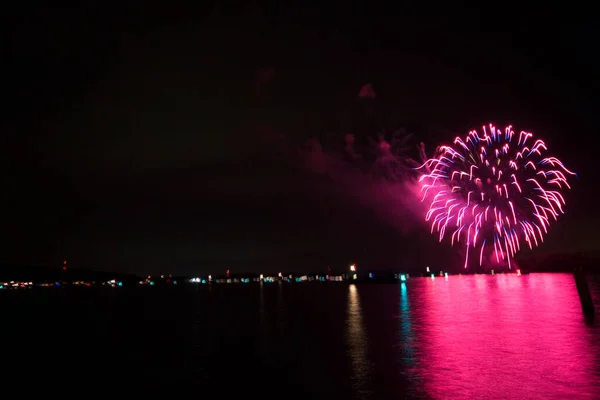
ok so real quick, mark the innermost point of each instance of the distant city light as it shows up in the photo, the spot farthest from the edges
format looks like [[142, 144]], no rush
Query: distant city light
[[353, 267], [268, 279]]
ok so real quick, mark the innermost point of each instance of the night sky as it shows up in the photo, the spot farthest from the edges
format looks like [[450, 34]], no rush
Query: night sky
[[146, 139]]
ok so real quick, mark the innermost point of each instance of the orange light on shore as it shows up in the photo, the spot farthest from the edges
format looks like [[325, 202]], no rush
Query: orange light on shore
[[353, 267]]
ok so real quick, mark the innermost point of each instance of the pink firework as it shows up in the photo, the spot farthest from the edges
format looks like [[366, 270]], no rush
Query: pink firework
[[494, 191]]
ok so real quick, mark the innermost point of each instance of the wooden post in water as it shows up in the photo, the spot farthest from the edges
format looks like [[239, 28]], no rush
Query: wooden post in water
[[584, 292]]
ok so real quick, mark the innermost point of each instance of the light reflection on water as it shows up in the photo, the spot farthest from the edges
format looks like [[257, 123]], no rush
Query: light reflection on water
[[502, 336], [465, 337], [406, 335], [358, 344]]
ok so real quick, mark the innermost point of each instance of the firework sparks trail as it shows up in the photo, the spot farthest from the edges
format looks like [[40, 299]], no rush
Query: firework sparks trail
[[496, 189]]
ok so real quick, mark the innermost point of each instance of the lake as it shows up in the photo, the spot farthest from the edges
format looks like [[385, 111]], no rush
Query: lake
[[463, 337]]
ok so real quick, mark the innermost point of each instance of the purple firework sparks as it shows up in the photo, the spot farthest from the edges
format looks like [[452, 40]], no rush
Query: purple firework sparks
[[494, 190]]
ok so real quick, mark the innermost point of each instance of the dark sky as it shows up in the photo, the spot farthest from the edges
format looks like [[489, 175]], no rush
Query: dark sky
[[140, 139]]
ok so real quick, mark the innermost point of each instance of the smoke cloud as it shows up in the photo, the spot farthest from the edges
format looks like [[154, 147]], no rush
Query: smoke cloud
[[380, 176]]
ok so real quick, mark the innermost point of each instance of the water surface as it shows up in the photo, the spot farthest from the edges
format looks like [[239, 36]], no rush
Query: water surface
[[465, 337]]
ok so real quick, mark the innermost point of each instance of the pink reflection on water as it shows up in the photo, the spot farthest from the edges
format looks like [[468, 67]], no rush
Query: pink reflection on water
[[505, 337]]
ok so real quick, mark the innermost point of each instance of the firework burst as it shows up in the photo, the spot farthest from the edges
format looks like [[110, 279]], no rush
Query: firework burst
[[494, 191]]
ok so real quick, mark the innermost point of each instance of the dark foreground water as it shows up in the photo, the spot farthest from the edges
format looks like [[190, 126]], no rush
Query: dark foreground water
[[466, 337]]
